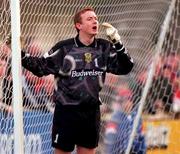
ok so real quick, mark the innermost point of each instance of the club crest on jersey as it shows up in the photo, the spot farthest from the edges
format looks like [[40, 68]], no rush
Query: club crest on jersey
[[88, 57]]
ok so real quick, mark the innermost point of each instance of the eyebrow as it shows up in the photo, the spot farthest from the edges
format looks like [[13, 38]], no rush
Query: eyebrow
[[92, 17]]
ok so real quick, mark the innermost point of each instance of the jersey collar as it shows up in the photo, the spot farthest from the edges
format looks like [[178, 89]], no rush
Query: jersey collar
[[80, 44]]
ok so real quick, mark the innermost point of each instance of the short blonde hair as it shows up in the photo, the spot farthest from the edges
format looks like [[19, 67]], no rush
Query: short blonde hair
[[77, 16]]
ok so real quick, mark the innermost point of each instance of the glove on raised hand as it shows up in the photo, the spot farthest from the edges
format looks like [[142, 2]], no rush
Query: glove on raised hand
[[112, 33]]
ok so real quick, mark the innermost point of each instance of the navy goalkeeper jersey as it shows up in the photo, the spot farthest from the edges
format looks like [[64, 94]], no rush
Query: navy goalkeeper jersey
[[80, 70]]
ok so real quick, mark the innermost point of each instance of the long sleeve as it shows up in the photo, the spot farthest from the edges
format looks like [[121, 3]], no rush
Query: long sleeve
[[120, 62], [45, 65]]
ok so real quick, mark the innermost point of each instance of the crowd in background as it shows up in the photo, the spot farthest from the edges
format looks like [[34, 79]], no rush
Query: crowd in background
[[36, 91], [162, 103], [163, 99]]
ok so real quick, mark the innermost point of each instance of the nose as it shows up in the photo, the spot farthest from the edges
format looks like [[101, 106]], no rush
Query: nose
[[95, 21]]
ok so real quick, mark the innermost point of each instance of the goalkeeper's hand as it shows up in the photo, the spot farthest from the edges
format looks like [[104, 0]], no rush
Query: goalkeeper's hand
[[111, 32]]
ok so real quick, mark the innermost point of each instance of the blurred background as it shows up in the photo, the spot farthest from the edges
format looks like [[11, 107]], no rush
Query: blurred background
[[139, 22]]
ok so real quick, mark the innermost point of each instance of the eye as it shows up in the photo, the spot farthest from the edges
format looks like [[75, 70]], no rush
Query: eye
[[90, 18]]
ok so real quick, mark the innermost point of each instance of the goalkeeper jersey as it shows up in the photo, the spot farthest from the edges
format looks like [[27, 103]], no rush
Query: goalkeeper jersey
[[80, 70]]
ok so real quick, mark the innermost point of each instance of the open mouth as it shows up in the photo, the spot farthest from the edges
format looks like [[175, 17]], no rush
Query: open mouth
[[94, 28]]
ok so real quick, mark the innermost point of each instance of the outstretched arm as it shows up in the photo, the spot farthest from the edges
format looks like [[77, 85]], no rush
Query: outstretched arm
[[44, 65], [39, 66]]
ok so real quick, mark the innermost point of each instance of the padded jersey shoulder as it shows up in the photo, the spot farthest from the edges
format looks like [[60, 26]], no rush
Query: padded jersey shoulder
[[68, 43], [103, 41], [105, 44], [65, 43]]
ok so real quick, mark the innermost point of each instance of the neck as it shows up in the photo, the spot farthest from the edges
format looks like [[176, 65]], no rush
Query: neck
[[86, 39]]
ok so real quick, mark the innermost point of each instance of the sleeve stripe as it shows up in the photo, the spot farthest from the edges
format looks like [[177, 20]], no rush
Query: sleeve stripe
[[50, 55], [121, 50]]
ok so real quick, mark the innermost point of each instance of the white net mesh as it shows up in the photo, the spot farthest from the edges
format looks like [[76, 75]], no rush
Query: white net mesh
[[45, 22]]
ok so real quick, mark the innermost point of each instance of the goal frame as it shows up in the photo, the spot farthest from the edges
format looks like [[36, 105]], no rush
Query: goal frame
[[16, 75], [158, 49]]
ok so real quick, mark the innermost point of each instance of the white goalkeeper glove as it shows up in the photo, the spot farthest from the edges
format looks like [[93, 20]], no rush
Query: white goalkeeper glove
[[112, 33]]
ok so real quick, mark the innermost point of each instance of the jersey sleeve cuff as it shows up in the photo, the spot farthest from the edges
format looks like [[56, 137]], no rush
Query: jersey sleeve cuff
[[24, 54], [119, 47]]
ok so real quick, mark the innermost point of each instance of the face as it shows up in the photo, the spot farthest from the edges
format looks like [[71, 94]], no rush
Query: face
[[89, 23]]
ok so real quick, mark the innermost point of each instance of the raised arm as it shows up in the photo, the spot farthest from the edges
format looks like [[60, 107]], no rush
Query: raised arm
[[120, 62]]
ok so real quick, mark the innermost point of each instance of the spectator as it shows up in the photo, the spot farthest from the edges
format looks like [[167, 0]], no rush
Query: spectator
[[120, 126], [172, 60], [161, 89], [35, 97], [6, 77], [176, 97], [36, 90]]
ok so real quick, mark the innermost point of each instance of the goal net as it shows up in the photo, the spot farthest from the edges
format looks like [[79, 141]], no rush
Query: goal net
[[125, 100]]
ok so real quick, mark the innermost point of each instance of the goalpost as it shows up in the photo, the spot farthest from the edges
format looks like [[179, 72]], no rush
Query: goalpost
[[158, 50], [43, 23], [16, 76]]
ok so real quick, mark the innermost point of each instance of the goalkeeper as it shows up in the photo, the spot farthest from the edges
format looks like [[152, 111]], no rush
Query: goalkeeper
[[79, 65]]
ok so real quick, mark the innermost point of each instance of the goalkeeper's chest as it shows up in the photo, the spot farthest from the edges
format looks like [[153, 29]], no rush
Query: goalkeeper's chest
[[85, 58]]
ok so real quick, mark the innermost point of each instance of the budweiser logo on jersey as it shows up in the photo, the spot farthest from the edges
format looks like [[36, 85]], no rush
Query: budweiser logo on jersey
[[83, 73]]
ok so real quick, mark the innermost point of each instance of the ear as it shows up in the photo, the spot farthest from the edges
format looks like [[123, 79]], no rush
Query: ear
[[78, 26]]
